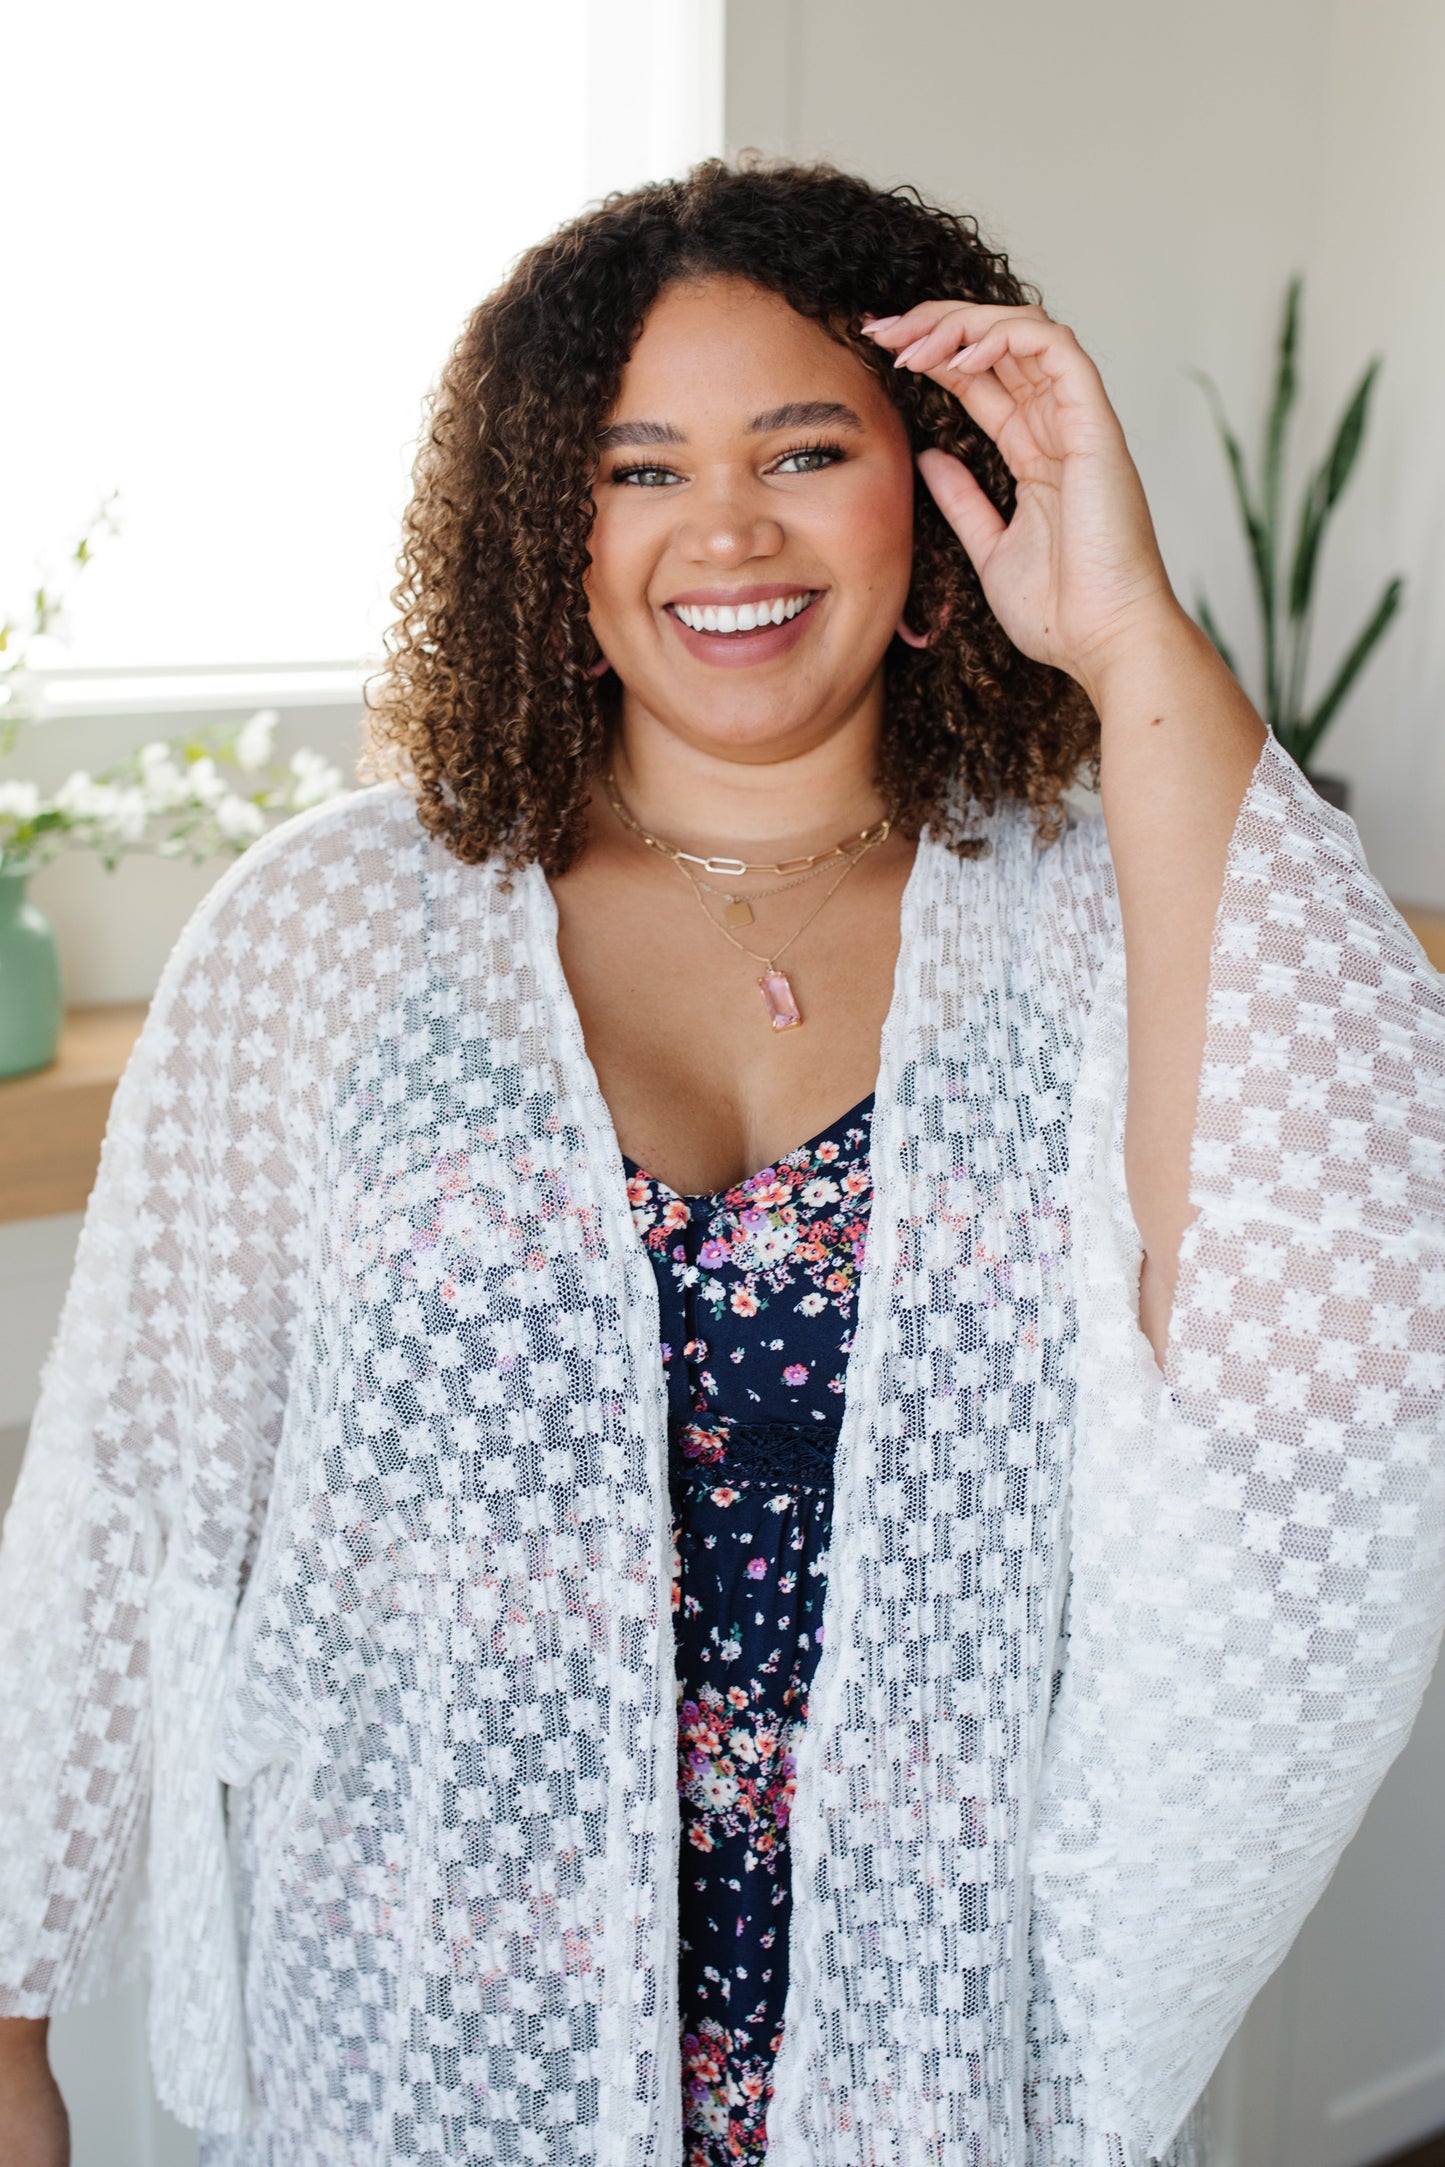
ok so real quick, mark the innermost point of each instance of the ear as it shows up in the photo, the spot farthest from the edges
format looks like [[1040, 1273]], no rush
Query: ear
[[910, 638]]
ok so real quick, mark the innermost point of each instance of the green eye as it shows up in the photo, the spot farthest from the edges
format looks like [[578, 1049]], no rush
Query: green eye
[[644, 477], [818, 457]]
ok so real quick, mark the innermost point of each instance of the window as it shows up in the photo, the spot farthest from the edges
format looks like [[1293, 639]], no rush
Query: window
[[249, 238]]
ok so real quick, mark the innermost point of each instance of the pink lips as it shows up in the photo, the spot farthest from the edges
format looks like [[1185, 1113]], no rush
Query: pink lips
[[739, 650]]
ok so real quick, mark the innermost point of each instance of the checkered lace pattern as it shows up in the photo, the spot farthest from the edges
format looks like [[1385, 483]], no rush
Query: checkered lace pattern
[[335, 1649]]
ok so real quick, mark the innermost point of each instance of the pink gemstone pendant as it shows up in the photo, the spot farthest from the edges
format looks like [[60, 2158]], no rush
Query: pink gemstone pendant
[[780, 1001]]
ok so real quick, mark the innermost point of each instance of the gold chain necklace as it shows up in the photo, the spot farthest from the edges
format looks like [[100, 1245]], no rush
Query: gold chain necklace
[[871, 835], [738, 909], [779, 999]]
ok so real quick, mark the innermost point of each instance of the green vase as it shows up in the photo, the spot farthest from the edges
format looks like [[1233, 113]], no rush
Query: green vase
[[30, 1005]]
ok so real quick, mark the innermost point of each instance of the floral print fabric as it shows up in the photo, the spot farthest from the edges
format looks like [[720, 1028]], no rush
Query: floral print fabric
[[757, 1288]]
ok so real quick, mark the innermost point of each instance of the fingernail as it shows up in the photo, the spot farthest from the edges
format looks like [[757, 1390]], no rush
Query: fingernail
[[879, 323], [965, 353], [909, 351]]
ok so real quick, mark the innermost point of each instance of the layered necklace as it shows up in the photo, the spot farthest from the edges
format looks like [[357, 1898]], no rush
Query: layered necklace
[[779, 999]]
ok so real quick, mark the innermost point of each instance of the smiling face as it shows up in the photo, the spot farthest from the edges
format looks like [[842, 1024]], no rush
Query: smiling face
[[753, 538]]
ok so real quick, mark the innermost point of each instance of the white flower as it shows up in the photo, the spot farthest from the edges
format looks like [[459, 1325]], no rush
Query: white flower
[[205, 780], [129, 812], [772, 1245], [715, 1790], [254, 740], [315, 780], [117, 812], [83, 798], [238, 817], [20, 800], [161, 779]]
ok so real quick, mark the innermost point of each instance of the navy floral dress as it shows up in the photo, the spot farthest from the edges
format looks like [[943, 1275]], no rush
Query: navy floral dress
[[758, 1289]]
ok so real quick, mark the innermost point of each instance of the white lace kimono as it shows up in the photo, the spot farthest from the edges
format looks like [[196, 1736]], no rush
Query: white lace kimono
[[337, 1662]]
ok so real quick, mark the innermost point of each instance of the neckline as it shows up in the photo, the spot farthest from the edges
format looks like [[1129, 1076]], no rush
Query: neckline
[[541, 922], [711, 1196]]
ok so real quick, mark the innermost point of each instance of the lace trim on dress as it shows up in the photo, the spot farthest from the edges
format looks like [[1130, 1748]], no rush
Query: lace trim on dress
[[787, 1453]]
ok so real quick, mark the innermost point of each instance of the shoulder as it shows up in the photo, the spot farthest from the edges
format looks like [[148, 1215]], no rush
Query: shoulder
[[342, 836], [333, 863], [348, 839]]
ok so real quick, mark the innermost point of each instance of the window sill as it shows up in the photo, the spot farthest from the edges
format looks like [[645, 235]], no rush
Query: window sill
[[192, 689]]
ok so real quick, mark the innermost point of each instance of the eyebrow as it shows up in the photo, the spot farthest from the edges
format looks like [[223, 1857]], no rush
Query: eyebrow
[[798, 414]]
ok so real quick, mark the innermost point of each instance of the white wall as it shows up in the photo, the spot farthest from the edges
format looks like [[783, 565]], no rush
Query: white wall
[[1159, 172], [1377, 268]]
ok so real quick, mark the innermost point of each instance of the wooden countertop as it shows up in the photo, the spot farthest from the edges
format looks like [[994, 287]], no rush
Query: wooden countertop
[[52, 1121], [1428, 927]]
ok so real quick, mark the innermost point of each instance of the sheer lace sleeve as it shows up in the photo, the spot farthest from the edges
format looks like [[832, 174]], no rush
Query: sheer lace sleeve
[[1257, 1535], [145, 1473]]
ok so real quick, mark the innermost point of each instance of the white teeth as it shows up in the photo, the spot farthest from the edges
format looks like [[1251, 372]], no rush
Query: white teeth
[[748, 617]]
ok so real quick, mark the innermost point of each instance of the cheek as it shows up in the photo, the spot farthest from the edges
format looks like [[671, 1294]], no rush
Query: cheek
[[615, 571], [873, 532]]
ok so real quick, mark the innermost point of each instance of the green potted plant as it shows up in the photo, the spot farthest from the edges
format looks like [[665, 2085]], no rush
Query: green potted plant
[[197, 796], [1286, 595]]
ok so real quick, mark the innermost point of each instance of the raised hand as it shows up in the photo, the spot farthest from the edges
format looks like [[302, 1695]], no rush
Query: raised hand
[[1077, 568]]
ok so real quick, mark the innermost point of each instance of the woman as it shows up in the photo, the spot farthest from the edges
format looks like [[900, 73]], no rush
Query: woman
[[660, 1156]]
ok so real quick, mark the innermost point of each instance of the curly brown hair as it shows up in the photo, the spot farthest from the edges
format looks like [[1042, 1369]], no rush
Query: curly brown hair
[[485, 707]]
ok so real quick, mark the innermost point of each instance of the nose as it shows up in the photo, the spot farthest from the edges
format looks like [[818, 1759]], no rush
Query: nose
[[725, 524]]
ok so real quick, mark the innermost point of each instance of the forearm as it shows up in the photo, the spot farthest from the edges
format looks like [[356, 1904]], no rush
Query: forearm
[[1180, 741], [23, 2039], [34, 2129]]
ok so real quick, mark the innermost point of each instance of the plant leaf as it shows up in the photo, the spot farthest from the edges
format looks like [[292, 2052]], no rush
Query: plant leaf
[[1307, 547], [1285, 385], [1254, 528], [1206, 618], [1325, 488], [1349, 434], [1312, 731]]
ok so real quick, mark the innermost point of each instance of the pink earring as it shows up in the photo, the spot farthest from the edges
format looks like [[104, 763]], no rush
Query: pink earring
[[911, 638], [599, 668]]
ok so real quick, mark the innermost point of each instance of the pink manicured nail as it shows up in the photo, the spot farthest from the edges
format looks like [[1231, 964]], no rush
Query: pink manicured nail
[[909, 351], [871, 324], [965, 353]]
